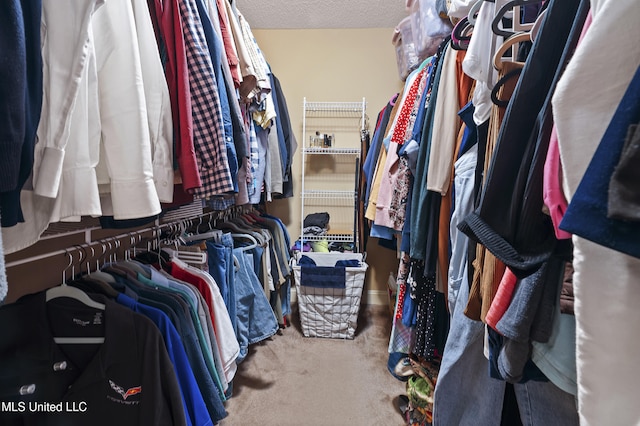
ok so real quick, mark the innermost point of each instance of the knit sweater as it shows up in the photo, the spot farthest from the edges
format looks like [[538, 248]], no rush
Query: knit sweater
[[21, 95]]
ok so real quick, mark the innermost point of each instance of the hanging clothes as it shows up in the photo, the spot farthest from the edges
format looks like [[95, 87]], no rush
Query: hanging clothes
[[594, 264], [529, 230], [73, 130], [127, 378], [184, 316], [488, 271], [22, 101], [466, 142], [194, 405]]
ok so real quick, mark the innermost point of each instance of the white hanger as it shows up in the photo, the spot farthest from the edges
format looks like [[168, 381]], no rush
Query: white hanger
[[471, 17], [71, 292], [537, 24], [248, 237], [214, 233], [192, 257], [98, 274]]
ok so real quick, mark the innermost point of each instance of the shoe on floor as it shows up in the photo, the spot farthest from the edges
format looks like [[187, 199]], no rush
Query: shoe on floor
[[399, 366]]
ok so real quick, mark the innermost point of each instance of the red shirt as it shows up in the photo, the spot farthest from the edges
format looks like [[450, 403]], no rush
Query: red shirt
[[169, 25], [229, 46], [202, 286]]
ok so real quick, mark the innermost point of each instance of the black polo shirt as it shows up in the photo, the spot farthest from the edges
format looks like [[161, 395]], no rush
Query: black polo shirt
[[127, 380], [186, 329]]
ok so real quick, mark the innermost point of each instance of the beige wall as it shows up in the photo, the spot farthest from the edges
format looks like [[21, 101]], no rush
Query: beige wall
[[333, 66]]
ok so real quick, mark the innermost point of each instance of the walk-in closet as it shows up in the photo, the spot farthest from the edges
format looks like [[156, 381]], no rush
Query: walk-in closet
[[390, 212]]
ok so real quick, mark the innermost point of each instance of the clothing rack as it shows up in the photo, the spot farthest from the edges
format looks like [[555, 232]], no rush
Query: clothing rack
[[87, 246]]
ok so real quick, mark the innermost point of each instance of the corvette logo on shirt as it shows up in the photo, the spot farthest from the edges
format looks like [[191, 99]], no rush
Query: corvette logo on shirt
[[125, 394]]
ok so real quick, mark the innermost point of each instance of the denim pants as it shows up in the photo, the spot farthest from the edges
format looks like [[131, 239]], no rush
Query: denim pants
[[227, 242], [463, 183], [218, 265], [256, 320], [220, 260], [466, 395]]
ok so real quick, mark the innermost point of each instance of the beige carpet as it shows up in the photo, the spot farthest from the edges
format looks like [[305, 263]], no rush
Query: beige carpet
[[292, 380]]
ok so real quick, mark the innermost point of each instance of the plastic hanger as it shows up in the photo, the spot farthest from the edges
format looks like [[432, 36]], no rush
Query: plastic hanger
[[517, 38], [461, 34], [98, 274], [71, 292], [212, 233], [129, 262], [497, 19], [192, 258], [64, 290], [239, 231], [248, 237], [471, 17], [514, 73], [537, 24]]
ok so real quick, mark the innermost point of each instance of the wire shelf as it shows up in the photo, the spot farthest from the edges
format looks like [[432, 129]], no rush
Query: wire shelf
[[325, 179], [355, 107], [334, 238], [332, 151], [342, 195]]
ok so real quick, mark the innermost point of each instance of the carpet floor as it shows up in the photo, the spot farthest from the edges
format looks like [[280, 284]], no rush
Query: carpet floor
[[290, 379]]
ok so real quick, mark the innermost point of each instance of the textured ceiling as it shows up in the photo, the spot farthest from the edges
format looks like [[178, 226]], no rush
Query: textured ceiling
[[264, 14]]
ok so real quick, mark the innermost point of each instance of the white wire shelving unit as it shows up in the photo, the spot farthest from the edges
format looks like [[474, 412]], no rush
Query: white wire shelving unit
[[330, 173]]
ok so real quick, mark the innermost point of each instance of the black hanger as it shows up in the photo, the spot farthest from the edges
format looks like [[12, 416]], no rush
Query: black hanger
[[495, 24], [461, 34], [494, 92]]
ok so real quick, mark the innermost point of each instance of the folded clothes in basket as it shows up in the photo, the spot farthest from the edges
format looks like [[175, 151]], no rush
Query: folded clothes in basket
[[322, 276], [347, 263], [351, 263]]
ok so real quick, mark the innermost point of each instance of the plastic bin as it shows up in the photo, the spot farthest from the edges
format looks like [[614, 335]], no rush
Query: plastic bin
[[326, 311], [403, 40], [429, 29]]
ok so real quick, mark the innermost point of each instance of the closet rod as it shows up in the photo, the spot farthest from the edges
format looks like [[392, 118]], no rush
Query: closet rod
[[102, 241], [155, 232]]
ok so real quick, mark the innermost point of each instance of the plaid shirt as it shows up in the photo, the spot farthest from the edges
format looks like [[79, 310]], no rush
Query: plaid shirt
[[208, 131]]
